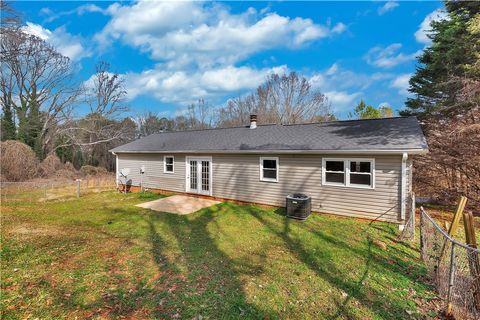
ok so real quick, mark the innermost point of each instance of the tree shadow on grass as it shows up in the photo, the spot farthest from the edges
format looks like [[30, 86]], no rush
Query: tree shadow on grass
[[193, 276], [324, 266], [210, 285]]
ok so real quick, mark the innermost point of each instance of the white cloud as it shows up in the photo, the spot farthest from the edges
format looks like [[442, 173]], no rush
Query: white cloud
[[421, 35], [335, 78], [342, 100], [401, 83], [200, 46], [184, 87], [81, 10], [388, 57], [89, 8], [345, 87], [388, 6], [66, 43], [37, 30], [206, 34], [334, 68], [339, 28]]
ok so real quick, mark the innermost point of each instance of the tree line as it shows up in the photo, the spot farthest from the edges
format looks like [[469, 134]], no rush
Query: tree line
[[445, 96]]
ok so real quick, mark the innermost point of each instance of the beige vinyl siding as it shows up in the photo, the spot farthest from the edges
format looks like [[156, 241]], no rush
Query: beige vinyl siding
[[154, 176], [238, 177]]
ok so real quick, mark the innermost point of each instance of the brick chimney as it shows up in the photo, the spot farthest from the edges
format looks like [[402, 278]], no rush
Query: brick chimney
[[253, 121]]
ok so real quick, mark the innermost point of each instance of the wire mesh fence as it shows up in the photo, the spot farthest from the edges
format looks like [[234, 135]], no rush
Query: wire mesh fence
[[53, 190], [453, 266], [408, 232]]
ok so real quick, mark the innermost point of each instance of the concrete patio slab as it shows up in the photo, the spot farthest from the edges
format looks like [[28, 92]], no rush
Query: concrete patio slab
[[178, 204]]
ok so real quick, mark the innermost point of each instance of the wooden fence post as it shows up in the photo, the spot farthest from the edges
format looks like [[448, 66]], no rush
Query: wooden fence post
[[473, 260], [78, 187], [456, 217], [453, 226]]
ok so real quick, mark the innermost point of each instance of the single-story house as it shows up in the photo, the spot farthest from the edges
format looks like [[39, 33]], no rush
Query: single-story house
[[357, 168]]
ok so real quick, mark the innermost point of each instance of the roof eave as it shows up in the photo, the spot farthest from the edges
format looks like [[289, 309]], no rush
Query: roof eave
[[366, 152]]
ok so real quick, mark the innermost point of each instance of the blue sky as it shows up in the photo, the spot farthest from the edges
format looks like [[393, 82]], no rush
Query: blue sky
[[173, 53]]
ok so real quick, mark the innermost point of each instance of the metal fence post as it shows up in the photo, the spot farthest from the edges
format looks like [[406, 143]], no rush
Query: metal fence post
[[78, 187], [451, 279], [422, 227], [412, 213]]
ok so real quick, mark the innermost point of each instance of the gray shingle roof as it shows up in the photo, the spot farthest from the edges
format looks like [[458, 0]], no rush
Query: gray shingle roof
[[401, 133]]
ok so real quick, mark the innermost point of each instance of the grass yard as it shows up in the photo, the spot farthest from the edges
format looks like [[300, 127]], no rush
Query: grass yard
[[101, 257]]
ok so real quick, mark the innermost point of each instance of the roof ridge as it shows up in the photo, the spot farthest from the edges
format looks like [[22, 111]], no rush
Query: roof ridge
[[220, 128], [349, 120], [290, 124]]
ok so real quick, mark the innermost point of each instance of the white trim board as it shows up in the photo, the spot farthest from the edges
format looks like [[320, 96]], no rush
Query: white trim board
[[403, 192], [165, 164], [187, 174], [319, 152], [346, 171], [262, 178]]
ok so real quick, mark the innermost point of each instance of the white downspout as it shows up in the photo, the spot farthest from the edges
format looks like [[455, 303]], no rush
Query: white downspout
[[403, 192], [116, 169]]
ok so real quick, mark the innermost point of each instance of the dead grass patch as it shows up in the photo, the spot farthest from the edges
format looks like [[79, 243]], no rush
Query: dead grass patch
[[28, 231]]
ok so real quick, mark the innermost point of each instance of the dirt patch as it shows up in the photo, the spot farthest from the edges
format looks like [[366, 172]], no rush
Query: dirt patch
[[5, 209], [443, 216], [28, 231]]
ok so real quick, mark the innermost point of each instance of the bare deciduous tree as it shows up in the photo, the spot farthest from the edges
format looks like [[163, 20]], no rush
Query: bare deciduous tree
[[200, 115], [149, 123], [105, 95], [282, 99], [9, 17], [37, 82]]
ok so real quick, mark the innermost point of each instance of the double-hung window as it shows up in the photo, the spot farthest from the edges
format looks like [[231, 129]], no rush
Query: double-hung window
[[334, 172], [269, 169], [168, 164], [358, 173]]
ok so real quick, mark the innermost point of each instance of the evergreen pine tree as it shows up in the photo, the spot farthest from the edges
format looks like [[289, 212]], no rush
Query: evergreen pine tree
[[7, 124], [452, 49]]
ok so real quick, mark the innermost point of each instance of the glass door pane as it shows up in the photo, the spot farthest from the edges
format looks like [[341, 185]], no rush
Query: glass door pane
[[193, 175], [206, 176]]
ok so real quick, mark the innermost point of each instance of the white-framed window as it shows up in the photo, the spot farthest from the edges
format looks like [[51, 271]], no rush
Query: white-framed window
[[355, 173], [269, 169], [168, 164]]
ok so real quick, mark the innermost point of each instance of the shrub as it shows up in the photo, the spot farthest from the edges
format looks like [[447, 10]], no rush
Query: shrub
[[69, 166], [64, 173], [93, 171], [49, 166], [101, 170], [18, 161], [88, 170]]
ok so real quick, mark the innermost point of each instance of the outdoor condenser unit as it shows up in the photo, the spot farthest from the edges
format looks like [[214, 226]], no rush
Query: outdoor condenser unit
[[299, 206]]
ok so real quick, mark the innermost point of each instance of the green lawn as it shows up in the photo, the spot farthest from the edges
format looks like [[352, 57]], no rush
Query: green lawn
[[101, 257]]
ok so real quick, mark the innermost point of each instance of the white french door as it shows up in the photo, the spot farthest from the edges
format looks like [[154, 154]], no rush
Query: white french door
[[199, 175]]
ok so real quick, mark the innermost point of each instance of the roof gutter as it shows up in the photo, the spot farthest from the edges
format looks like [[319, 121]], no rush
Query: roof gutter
[[365, 152]]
